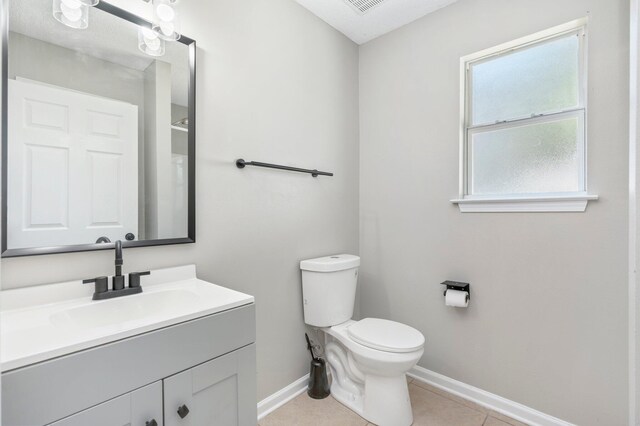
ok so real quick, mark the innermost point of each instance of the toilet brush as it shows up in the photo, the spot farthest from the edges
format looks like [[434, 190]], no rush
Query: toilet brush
[[318, 382]]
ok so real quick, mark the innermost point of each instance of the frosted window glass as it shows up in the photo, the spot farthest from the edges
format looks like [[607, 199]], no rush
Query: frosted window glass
[[533, 80], [534, 158]]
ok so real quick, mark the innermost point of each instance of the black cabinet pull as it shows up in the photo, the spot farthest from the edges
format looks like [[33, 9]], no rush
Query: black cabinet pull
[[151, 422], [183, 410]]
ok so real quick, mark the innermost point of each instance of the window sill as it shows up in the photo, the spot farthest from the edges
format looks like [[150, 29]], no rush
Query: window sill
[[567, 203]]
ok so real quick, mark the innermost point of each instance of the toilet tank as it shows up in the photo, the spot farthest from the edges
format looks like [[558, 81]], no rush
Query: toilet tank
[[329, 289]]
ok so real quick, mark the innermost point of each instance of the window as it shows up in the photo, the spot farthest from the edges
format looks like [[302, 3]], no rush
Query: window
[[523, 138]]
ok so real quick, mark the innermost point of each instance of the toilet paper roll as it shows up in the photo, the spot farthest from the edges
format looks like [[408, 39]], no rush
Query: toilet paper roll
[[457, 298]]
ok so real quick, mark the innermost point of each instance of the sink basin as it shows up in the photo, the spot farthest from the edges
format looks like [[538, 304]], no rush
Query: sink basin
[[125, 310], [43, 322]]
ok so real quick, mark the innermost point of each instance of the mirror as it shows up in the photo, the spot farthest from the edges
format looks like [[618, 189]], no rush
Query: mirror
[[99, 140]]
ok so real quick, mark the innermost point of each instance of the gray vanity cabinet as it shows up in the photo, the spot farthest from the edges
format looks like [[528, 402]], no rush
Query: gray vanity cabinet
[[207, 364], [140, 407], [220, 392]]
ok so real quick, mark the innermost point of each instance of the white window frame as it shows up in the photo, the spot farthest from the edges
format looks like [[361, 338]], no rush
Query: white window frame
[[538, 202]]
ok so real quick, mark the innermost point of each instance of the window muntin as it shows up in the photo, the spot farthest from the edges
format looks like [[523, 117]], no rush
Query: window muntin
[[525, 119]]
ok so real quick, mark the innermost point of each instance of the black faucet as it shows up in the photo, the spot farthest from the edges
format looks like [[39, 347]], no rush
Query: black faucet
[[117, 281], [118, 278]]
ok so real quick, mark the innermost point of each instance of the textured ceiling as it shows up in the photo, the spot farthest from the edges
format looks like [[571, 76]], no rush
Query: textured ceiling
[[378, 17], [108, 38]]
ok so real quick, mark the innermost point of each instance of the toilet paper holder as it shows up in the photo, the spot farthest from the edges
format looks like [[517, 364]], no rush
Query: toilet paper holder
[[456, 285]]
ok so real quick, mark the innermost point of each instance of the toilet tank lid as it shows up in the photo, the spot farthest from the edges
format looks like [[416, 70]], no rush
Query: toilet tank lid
[[337, 262]]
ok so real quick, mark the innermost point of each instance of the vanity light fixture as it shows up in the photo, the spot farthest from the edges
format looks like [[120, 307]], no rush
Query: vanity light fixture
[[73, 13], [166, 22], [149, 42]]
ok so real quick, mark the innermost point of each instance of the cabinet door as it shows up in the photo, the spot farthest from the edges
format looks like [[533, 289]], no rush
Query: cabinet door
[[138, 408], [221, 392]]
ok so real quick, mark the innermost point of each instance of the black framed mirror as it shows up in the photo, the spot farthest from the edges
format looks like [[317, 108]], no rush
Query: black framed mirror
[[98, 130]]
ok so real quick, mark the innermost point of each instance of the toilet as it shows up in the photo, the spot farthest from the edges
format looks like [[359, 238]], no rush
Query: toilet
[[367, 359]]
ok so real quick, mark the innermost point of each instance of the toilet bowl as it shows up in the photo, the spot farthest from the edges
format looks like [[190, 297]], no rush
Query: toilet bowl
[[371, 381], [368, 359]]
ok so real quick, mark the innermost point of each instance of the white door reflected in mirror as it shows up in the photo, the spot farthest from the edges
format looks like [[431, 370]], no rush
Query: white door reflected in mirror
[[73, 174]]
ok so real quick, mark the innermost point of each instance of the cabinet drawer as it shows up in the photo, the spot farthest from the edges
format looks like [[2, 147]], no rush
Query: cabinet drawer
[[137, 408]]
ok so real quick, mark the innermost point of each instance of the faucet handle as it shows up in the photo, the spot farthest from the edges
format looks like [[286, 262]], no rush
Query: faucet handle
[[134, 278], [102, 284]]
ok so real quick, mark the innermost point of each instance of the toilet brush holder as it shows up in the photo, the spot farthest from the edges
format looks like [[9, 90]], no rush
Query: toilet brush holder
[[318, 382]]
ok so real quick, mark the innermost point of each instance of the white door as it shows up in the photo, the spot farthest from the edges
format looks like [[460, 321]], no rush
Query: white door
[[72, 167], [138, 408]]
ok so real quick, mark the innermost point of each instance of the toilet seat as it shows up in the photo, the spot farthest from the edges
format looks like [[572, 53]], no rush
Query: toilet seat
[[385, 335]]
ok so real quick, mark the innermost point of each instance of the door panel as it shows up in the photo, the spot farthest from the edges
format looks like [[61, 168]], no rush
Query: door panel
[[106, 185], [46, 115], [103, 124], [46, 171], [146, 405], [220, 392], [133, 409]]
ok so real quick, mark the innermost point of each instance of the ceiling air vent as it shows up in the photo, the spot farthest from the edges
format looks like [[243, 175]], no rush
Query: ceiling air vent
[[363, 6]]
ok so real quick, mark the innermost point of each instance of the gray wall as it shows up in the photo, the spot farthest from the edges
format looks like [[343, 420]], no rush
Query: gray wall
[[49, 63], [547, 324], [274, 84]]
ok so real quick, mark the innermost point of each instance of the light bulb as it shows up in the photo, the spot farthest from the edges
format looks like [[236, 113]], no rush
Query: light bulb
[[72, 13], [167, 28], [166, 19], [165, 12], [148, 33], [150, 43], [71, 4]]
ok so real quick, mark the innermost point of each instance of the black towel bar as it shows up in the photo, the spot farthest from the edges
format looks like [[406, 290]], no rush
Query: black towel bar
[[240, 163]]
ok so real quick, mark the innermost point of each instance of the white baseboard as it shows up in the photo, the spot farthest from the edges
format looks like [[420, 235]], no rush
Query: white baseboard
[[489, 400], [481, 397], [284, 395]]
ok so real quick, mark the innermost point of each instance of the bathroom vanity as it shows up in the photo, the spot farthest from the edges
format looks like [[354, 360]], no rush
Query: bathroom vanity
[[99, 153], [182, 352]]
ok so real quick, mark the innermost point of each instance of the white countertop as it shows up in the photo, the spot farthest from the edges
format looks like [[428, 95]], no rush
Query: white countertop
[[48, 321]]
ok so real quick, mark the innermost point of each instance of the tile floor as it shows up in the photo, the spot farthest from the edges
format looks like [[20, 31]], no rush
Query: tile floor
[[431, 407]]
